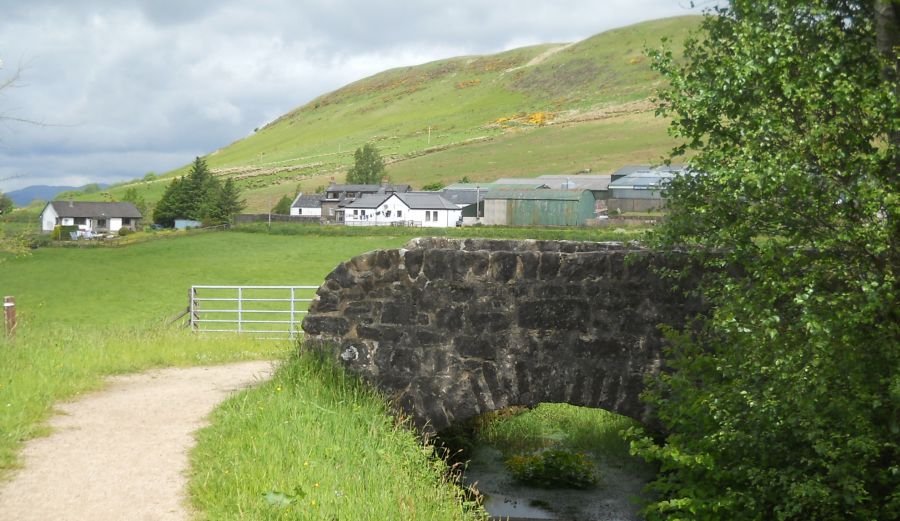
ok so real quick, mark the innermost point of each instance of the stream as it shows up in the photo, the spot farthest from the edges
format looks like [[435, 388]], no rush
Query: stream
[[613, 499]]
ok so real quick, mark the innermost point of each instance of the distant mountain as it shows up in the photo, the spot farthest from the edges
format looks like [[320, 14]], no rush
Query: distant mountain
[[24, 196]]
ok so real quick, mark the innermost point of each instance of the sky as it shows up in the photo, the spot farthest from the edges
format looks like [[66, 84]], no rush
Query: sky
[[111, 90]]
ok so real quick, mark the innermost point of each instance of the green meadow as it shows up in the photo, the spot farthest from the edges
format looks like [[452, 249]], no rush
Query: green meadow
[[311, 443]]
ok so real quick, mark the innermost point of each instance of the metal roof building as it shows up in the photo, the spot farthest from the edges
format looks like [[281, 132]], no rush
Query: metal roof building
[[541, 207]]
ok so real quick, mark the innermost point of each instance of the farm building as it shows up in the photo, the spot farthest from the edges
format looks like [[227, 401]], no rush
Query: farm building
[[338, 196], [427, 209], [542, 207], [90, 217], [466, 200], [307, 205], [639, 188]]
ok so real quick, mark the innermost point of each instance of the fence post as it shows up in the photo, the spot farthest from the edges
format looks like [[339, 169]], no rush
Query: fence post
[[292, 325], [9, 311], [240, 308], [192, 294]]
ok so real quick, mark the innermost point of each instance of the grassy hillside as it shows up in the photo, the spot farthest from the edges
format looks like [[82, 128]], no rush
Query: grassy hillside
[[554, 108]]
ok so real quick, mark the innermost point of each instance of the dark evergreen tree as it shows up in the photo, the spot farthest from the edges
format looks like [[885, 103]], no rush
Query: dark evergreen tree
[[229, 202]]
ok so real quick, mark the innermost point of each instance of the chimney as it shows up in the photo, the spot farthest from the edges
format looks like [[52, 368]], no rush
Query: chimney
[[384, 181], [71, 203]]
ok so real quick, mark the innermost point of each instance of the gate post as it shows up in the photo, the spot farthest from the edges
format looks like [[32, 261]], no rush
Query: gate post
[[192, 294], [9, 311]]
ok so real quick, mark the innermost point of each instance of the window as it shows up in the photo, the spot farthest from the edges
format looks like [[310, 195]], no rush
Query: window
[[355, 213], [126, 221], [427, 216], [399, 213], [80, 220], [387, 213]]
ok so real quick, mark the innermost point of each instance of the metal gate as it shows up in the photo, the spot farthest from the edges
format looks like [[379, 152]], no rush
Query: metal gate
[[263, 311]]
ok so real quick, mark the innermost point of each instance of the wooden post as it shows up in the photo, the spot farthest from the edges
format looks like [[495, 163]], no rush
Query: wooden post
[[9, 311]]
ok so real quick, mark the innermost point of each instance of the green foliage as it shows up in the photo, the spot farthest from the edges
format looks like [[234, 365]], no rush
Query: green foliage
[[784, 403], [198, 196], [6, 204], [123, 232], [434, 187], [91, 188], [62, 233], [368, 166], [553, 468], [283, 206], [132, 196]]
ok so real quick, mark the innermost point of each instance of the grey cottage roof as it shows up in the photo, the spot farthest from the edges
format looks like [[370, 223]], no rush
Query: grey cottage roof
[[95, 210], [308, 201], [413, 200]]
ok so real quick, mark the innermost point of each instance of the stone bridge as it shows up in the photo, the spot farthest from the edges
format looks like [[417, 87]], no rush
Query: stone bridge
[[455, 328]]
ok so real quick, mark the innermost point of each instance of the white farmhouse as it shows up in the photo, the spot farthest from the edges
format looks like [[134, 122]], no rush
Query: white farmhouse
[[90, 217], [427, 209], [307, 205]]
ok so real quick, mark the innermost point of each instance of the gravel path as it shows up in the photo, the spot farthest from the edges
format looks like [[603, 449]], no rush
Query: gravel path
[[122, 453]]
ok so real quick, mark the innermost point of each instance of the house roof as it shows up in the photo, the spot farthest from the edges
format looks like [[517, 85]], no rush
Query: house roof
[[652, 180], [426, 201], [413, 201], [542, 194], [95, 210], [462, 197], [582, 181], [308, 201], [367, 188], [369, 201]]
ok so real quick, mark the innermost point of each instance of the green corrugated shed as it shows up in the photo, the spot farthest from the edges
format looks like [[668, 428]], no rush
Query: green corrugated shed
[[545, 207]]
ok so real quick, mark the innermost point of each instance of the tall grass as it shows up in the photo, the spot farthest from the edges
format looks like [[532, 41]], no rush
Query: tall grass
[[313, 443]]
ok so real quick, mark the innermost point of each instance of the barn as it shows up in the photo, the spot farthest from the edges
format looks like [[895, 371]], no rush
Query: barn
[[541, 207]]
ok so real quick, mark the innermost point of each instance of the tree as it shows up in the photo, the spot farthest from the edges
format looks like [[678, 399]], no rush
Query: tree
[[132, 196], [172, 205], [783, 401], [368, 166], [229, 202], [6, 204], [283, 206]]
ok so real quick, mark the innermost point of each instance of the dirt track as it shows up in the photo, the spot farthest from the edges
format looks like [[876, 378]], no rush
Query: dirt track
[[122, 453]]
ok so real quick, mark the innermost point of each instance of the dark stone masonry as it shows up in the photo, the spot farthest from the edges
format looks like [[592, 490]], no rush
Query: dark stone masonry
[[456, 328]]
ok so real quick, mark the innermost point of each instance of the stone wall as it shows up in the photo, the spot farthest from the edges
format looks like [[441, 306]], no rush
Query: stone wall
[[455, 328]]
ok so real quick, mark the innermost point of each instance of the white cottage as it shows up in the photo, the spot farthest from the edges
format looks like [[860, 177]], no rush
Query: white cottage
[[307, 205], [90, 217], [427, 209]]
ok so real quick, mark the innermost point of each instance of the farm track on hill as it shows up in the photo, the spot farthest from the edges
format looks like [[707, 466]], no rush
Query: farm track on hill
[[122, 453]]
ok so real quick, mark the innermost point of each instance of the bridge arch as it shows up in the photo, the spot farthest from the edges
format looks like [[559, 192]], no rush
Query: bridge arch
[[456, 328]]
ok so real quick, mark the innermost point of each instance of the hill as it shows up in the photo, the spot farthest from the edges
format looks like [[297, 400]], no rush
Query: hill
[[553, 108], [24, 196]]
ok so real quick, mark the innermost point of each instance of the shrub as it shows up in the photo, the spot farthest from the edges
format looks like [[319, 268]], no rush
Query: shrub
[[125, 231], [554, 468]]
